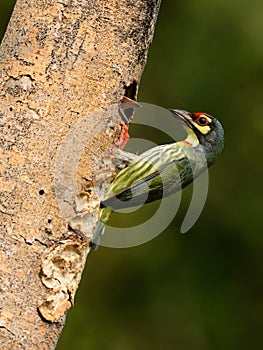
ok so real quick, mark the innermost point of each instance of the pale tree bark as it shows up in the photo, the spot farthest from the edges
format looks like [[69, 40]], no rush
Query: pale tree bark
[[59, 61]]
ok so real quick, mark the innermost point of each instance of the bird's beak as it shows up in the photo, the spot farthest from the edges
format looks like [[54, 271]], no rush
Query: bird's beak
[[126, 109], [183, 116]]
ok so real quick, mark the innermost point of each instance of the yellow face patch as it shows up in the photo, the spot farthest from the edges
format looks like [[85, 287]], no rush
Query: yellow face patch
[[204, 129]]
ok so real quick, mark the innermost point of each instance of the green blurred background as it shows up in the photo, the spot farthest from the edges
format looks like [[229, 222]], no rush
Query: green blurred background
[[202, 290]]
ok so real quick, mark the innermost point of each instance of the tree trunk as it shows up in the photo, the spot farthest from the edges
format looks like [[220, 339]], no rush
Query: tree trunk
[[60, 61]]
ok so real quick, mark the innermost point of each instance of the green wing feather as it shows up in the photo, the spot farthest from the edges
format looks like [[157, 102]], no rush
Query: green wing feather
[[155, 174]]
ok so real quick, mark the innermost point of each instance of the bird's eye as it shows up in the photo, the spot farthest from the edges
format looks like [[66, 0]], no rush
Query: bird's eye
[[202, 120]]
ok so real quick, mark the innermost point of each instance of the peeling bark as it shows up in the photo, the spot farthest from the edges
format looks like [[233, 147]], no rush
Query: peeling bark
[[60, 61]]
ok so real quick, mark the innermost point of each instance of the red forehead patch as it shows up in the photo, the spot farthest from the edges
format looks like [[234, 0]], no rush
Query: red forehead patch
[[200, 113]]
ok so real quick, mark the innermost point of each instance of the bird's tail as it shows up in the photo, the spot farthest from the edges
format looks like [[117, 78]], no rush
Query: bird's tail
[[105, 214]]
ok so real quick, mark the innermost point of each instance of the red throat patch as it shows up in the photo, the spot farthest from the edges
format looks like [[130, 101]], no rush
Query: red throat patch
[[187, 143]]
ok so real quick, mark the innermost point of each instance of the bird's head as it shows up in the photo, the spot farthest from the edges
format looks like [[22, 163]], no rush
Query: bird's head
[[203, 129]]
